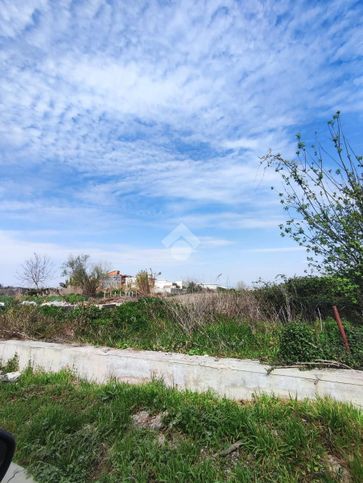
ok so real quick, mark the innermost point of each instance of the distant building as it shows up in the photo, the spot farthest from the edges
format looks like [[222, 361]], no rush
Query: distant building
[[210, 286], [166, 287], [130, 281], [115, 280], [181, 286]]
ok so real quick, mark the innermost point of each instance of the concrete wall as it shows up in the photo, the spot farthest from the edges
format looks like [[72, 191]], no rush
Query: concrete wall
[[233, 378]]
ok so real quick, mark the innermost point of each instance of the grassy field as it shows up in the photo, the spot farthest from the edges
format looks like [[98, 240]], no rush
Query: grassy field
[[222, 326], [72, 431], [141, 325]]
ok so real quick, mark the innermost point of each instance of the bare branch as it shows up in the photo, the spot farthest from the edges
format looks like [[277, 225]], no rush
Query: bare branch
[[36, 271]]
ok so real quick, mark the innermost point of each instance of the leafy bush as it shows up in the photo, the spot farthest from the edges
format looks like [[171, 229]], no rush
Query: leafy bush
[[332, 345], [311, 297], [300, 342], [75, 298], [11, 365], [130, 314], [83, 312], [137, 314], [6, 299]]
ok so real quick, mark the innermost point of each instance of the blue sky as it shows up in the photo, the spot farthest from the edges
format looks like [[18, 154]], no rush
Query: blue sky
[[120, 121]]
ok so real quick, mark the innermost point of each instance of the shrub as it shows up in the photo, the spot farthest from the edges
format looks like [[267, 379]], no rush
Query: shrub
[[56, 313], [130, 314], [74, 298], [6, 299], [138, 314], [11, 365], [298, 343], [311, 297], [332, 345], [83, 312]]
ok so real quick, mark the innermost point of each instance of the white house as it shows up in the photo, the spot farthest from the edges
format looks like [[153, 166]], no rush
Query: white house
[[166, 287], [210, 286]]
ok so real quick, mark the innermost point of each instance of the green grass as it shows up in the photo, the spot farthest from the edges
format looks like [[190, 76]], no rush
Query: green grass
[[39, 299], [72, 431], [141, 325], [225, 338], [7, 299], [149, 324], [10, 365]]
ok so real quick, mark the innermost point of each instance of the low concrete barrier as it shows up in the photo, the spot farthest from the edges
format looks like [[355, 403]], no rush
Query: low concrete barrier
[[233, 378]]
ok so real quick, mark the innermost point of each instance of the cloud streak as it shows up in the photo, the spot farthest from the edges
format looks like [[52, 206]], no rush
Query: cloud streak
[[157, 112]]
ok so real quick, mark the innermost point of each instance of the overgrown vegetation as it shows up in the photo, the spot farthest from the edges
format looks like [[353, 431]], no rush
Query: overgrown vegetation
[[311, 298], [300, 342], [68, 430], [305, 298], [151, 324], [226, 324], [11, 365]]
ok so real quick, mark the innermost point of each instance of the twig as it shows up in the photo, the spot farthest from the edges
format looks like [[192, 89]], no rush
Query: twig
[[15, 333], [333, 363], [316, 363], [230, 449]]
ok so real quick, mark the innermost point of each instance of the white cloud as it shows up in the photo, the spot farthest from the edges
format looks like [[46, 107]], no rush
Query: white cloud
[[16, 15], [275, 249], [112, 111], [225, 74], [243, 143], [257, 219], [215, 242]]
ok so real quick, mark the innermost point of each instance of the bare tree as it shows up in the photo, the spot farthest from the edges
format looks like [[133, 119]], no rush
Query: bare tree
[[37, 270]]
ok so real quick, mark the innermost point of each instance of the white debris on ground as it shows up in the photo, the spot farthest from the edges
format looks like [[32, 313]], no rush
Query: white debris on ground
[[104, 304], [337, 469], [10, 376], [145, 420], [57, 303]]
